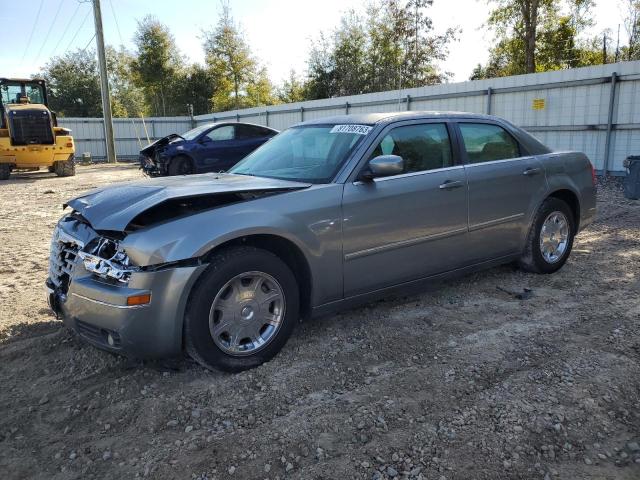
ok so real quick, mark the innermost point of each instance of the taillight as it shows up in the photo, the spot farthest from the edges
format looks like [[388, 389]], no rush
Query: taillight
[[593, 174]]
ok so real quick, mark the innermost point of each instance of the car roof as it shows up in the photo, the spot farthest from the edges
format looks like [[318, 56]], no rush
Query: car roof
[[220, 124], [381, 118]]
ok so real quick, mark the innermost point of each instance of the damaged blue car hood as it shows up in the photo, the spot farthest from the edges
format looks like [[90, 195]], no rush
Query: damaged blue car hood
[[114, 207]]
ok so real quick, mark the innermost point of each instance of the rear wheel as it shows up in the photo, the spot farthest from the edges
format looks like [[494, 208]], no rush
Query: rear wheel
[[65, 168], [5, 171], [180, 165], [550, 239], [242, 310]]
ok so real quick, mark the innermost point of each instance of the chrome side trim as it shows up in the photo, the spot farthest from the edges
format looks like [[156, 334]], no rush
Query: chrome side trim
[[403, 243], [497, 221], [411, 174], [495, 162], [107, 304]]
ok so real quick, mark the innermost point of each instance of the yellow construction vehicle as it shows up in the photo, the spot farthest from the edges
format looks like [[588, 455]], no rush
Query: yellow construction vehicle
[[29, 134]]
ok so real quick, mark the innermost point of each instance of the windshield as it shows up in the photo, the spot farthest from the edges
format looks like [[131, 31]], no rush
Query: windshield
[[192, 134], [11, 92], [307, 154]]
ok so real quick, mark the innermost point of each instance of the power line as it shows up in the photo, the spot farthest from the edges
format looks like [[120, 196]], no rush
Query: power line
[[55, 17], [32, 30], [78, 31], [89, 42], [66, 29], [116, 20]]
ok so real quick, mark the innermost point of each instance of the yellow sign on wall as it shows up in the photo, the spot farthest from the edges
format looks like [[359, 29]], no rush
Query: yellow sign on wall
[[538, 104]]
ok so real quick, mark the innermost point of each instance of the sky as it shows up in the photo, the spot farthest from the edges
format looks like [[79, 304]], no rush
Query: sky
[[279, 31]]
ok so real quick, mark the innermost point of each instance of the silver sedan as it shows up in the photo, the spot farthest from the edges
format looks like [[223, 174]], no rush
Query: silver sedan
[[328, 214]]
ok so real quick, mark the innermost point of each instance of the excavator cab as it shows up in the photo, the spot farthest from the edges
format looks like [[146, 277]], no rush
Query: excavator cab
[[29, 134]]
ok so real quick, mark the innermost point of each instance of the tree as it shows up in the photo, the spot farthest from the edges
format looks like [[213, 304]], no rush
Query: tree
[[393, 47], [292, 90], [74, 84], [539, 35], [260, 90], [520, 18], [349, 56], [320, 70], [404, 50], [127, 100], [632, 26], [229, 60], [156, 65], [195, 86]]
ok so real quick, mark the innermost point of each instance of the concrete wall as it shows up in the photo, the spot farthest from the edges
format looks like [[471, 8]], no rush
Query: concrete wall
[[578, 105]]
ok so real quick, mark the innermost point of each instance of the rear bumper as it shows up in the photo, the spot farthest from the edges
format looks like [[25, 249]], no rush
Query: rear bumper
[[99, 313]]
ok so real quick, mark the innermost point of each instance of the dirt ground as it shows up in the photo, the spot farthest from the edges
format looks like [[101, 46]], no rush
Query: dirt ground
[[466, 381]]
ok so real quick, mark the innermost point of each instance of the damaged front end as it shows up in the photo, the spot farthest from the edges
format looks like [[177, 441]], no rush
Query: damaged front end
[[110, 301], [152, 161], [105, 258]]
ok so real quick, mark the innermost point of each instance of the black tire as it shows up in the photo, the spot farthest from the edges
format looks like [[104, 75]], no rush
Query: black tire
[[532, 259], [180, 165], [5, 171], [225, 266], [66, 168], [51, 169]]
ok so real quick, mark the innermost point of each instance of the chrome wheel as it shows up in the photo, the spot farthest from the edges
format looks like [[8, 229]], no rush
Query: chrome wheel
[[247, 313], [554, 237]]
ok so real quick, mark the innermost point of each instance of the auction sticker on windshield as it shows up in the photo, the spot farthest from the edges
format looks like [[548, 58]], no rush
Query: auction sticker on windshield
[[359, 129]]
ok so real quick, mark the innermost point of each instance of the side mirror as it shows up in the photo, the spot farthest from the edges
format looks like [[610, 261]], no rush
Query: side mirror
[[204, 139], [384, 166]]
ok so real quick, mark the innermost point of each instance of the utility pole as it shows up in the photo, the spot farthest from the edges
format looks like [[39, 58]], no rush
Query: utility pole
[[104, 85]]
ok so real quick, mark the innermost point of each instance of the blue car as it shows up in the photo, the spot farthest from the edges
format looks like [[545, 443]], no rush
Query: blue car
[[214, 147]]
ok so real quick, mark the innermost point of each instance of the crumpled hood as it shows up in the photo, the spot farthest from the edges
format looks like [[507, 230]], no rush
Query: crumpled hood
[[114, 207], [161, 142]]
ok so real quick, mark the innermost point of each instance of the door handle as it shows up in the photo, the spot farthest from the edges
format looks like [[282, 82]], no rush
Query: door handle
[[531, 171], [449, 184]]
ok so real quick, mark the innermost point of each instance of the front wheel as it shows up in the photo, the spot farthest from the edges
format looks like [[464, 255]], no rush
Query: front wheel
[[180, 165], [5, 171], [242, 311], [550, 238], [65, 168]]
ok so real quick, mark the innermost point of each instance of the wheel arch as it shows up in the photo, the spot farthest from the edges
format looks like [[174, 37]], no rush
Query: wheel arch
[[284, 249], [570, 198], [182, 154]]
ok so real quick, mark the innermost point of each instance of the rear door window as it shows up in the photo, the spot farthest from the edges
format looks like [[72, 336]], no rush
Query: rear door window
[[485, 142], [250, 131]]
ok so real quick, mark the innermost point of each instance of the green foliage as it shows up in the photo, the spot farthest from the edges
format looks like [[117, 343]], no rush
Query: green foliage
[[156, 66], [392, 47], [292, 90], [538, 36], [127, 100], [74, 85], [231, 64], [632, 25]]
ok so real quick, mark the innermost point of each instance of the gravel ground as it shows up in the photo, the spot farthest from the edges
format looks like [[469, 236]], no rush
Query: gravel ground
[[470, 380]]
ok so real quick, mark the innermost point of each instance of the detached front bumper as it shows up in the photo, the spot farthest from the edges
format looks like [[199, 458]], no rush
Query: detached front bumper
[[152, 167], [97, 310]]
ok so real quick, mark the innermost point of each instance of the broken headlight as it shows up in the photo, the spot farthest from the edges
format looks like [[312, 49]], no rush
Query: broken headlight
[[105, 258]]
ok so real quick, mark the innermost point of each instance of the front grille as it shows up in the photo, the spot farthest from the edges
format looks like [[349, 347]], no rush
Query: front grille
[[31, 127], [63, 255], [98, 335]]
